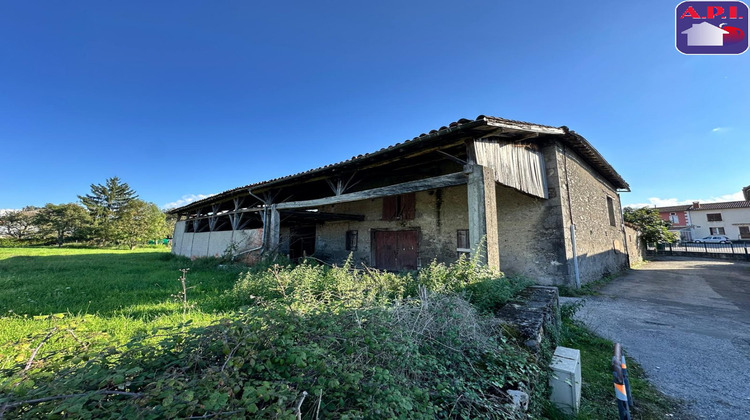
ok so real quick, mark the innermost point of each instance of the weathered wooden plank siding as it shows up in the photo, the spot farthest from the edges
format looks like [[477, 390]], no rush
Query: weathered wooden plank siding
[[516, 165]]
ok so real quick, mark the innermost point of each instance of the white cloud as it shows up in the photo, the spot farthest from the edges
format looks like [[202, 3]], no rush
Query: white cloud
[[716, 130], [666, 202], [720, 129], [186, 199]]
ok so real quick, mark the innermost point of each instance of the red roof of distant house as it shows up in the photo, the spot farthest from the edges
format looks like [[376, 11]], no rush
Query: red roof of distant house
[[706, 206], [683, 207], [722, 206]]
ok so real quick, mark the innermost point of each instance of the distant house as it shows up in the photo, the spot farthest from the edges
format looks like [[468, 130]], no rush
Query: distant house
[[731, 219], [704, 34], [679, 220], [542, 199]]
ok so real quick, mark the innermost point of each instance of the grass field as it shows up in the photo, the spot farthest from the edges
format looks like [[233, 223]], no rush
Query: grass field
[[113, 340], [114, 293], [108, 297]]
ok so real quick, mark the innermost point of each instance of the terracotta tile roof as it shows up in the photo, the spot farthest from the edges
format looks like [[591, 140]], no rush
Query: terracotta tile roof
[[683, 207], [722, 206], [574, 140]]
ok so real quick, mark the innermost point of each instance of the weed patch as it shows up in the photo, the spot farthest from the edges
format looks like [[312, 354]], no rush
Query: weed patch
[[311, 341]]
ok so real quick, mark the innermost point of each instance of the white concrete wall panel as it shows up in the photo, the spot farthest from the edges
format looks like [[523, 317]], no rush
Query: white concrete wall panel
[[200, 244], [178, 238], [219, 243]]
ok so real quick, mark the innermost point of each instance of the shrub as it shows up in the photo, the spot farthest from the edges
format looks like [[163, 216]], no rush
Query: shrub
[[312, 283], [428, 358], [316, 342]]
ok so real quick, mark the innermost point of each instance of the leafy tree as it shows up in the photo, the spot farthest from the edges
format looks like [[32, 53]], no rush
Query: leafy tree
[[746, 193], [104, 205], [139, 221], [19, 224], [653, 228], [62, 220], [171, 222]]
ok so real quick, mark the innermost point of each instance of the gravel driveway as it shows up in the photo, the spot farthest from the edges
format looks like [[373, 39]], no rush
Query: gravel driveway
[[687, 321]]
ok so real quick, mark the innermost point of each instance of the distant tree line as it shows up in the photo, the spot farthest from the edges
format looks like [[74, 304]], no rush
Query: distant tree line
[[111, 214]]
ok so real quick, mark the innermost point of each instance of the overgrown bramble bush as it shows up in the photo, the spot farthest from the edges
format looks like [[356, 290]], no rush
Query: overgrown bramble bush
[[311, 283], [419, 359], [318, 342]]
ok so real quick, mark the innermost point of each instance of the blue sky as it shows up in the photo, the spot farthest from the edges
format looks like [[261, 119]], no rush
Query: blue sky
[[189, 98]]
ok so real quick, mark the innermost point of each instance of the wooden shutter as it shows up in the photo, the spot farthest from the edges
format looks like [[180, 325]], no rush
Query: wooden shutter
[[408, 206], [390, 207]]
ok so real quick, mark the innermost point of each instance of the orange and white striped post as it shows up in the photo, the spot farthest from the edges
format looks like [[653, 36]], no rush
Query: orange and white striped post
[[626, 380], [621, 390]]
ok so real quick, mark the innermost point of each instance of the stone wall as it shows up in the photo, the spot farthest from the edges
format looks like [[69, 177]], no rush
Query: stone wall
[[439, 214], [529, 235], [635, 244], [600, 244]]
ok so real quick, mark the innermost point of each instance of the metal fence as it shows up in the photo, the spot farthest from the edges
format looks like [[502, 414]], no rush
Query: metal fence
[[701, 248]]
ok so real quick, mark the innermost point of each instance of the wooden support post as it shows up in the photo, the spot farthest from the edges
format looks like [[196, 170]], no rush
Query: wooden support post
[[483, 213], [273, 229], [213, 219]]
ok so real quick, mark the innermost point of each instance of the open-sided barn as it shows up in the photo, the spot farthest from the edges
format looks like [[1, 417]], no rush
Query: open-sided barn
[[543, 201]]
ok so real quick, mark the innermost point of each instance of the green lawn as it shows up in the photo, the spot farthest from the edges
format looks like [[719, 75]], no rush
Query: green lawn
[[106, 297], [113, 294], [112, 343]]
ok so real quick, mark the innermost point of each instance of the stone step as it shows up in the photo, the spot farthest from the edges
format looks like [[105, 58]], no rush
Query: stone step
[[535, 314]]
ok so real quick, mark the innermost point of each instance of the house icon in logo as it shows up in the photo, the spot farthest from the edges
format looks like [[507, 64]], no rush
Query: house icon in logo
[[704, 34]]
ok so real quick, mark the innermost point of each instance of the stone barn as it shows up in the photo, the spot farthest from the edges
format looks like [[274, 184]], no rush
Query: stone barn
[[541, 199]]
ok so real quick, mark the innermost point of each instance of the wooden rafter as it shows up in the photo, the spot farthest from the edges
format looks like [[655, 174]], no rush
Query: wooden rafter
[[441, 181]]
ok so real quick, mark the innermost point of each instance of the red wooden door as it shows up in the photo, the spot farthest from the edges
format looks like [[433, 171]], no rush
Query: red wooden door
[[396, 250]]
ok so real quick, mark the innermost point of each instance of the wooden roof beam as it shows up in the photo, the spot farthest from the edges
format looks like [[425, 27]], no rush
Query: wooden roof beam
[[458, 178]]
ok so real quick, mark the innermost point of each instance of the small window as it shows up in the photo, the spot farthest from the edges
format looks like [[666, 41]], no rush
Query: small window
[[611, 210], [399, 207], [714, 217], [462, 242], [716, 230], [352, 237], [673, 218]]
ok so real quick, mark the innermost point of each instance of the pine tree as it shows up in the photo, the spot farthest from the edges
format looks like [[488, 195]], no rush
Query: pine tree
[[104, 205]]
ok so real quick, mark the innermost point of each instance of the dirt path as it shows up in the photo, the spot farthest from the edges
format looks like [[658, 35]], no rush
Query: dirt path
[[687, 321]]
